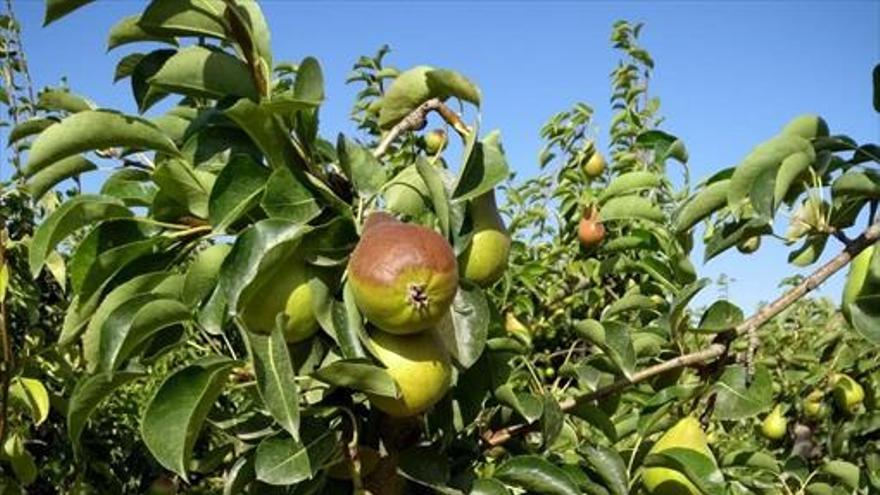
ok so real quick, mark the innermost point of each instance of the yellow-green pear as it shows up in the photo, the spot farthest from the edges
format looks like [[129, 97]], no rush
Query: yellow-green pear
[[848, 393], [485, 259], [435, 141], [595, 165], [814, 407], [859, 273], [775, 424], [285, 291], [686, 434]]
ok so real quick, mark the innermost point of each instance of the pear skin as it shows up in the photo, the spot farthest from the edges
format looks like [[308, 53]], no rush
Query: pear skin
[[485, 259], [686, 434]]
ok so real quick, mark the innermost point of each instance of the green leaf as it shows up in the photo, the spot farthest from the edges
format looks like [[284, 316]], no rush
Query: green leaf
[[44, 180], [309, 84], [32, 394], [132, 324], [174, 416], [629, 183], [857, 184], [488, 486], [627, 303], [342, 321], [486, 167], [89, 392], [731, 233], [281, 460], [189, 18], [186, 188], [75, 134], [201, 72], [536, 474], [844, 471], [447, 83], [610, 467], [552, 419], [614, 340], [631, 207], [236, 191], [737, 400], [431, 175], [418, 85], [721, 316], [72, 215], [276, 378], [131, 30], [765, 158], [134, 187], [29, 128], [23, 465], [709, 200], [145, 94], [794, 167], [201, 277], [526, 405], [365, 171], [125, 66], [358, 374], [809, 252], [465, 332], [56, 9], [865, 317], [64, 101], [258, 246], [699, 469], [289, 199], [267, 133], [678, 309], [407, 193], [109, 263]]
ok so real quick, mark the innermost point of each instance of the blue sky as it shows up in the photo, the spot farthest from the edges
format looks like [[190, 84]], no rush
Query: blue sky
[[729, 74]]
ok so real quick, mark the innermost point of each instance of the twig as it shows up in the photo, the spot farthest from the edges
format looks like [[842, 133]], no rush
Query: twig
[[714, 351], [417, 119]]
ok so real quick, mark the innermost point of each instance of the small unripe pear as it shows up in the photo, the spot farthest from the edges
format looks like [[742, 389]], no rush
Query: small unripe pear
[[775, 424], [814, 407], [749, 246], [595, 165], [848, 393], [435, 141]]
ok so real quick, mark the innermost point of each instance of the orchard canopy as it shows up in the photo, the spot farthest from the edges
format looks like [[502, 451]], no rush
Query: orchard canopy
[[216, 293]]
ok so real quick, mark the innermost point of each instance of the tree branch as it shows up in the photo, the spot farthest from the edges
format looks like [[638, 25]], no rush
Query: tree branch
[[417, 119], [714, 351]]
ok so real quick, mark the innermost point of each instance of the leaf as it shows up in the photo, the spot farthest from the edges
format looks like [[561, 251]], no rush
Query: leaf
[[238, 188], [75, 134], [721, 316], [134, 187], [710, 199], [174, 416], [23, 465], [448, 83], [627, 303], [201, 72], [145, 94], [793, 168], [488, 486], [32, 394], [809, 252], [281, 460], [844, 471], [268, 134], [465, 330], [358, 374], [29, 128], [431, 175], [309, 85], [526, 405], [699, 469], [536, 474], [610, 467], [185, 18], [664, 146], [485, 168], [131, 30], [732, 233], [63, 100], [857, 184], [629, 183], [89, 392], [72, 215], [631, 207], [865, 317], [252, 250], [276, 378], [765, 158], [364, 170], [614, 340], [132, 324], [56, 9], [678, 308], [736, 400], [44, 180], [201, 277], [287, 198], [552, 420], [182, 187]]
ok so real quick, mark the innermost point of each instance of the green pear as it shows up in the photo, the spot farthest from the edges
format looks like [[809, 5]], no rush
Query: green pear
[[856, 280], [775, 424], [686, 434], [814, 407], [286, 291], [435, 141], [485, 259], [848, 393]]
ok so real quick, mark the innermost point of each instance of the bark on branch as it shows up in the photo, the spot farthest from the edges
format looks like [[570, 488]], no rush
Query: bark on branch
[[417, 119], [714, 351]]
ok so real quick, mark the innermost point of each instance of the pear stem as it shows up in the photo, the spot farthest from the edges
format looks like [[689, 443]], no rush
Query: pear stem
[[417, 119], [715, 350]]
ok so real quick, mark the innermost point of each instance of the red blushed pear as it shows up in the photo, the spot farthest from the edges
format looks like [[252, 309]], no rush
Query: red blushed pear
[[591, 232], [403, 276]]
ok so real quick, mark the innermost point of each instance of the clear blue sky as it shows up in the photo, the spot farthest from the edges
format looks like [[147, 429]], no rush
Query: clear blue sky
[[729, 73]]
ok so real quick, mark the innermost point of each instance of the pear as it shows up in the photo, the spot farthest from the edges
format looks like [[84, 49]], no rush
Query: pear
[[485, 259], [686, 434], [595, 165], [814, 408], [749, 246], [435, 141], [848, 394], [775, 424]]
